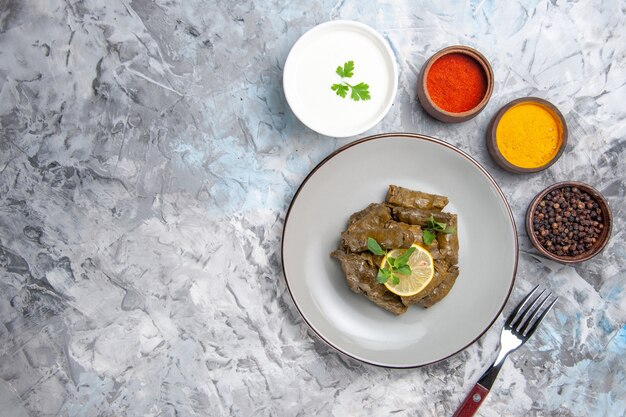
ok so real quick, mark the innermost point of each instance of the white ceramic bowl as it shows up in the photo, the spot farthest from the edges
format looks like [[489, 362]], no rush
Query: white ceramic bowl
[[359, 174], [310, 72]]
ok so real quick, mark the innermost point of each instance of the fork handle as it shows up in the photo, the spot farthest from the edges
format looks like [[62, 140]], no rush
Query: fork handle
[[473, 400], [477, 395]]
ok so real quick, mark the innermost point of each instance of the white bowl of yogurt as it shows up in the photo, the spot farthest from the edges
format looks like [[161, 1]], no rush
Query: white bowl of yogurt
[[340, 78]]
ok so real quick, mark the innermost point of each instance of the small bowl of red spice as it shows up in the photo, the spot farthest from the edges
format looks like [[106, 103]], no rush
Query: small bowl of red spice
[[569, 222], [455, 84]]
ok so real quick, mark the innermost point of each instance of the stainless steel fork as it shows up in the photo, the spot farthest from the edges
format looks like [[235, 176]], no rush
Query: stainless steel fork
[[519, 326]]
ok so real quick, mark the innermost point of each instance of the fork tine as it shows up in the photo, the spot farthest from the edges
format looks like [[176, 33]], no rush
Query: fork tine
[[520, 306], [528, 312], [533, 312], [529, 332]]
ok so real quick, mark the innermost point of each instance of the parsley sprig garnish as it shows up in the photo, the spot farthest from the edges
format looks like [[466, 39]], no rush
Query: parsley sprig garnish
[[393, 266], [359, 91], [433, 227]]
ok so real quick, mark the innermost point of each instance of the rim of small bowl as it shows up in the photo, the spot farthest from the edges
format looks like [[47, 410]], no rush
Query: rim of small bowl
[[436, 111], [390, 59], [492, 145], [607, 221]]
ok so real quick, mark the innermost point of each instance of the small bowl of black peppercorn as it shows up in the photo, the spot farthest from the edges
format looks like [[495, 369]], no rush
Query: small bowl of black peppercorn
[[569, 222]]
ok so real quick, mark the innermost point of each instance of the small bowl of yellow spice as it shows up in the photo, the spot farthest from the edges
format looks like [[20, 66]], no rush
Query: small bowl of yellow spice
[[527, 135]]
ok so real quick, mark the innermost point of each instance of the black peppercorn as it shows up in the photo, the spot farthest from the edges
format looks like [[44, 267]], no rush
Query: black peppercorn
[[567, 222]]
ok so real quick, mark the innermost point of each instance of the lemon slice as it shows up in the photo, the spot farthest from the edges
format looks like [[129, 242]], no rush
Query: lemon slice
[[422, 271]]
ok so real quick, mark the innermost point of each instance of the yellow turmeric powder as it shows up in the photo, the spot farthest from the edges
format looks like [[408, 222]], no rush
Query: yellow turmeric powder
[[529, 135]]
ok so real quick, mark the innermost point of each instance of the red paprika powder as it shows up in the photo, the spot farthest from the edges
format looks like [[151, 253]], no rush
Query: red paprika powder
[[456, 82]]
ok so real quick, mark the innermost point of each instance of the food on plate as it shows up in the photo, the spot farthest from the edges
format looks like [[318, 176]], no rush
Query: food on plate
[[389, 237], [440, 290], [419, 217], [404, 197], [360, 270], [401, 252], [413, 279]]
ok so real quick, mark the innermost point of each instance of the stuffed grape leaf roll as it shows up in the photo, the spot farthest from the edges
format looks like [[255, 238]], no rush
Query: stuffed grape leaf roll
[[360, 271], [404, 197]]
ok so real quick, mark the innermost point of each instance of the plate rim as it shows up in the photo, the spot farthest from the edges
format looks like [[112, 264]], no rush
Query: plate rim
[[409, 136], [390, 55]]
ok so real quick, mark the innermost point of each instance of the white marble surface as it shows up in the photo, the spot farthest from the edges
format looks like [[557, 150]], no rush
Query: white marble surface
[[147, 158]]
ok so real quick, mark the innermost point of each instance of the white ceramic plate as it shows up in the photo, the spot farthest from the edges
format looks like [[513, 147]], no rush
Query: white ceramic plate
[[359, 174], [310, 72]]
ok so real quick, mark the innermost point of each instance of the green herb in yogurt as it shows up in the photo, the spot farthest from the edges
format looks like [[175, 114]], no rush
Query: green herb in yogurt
[[358, 92]]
